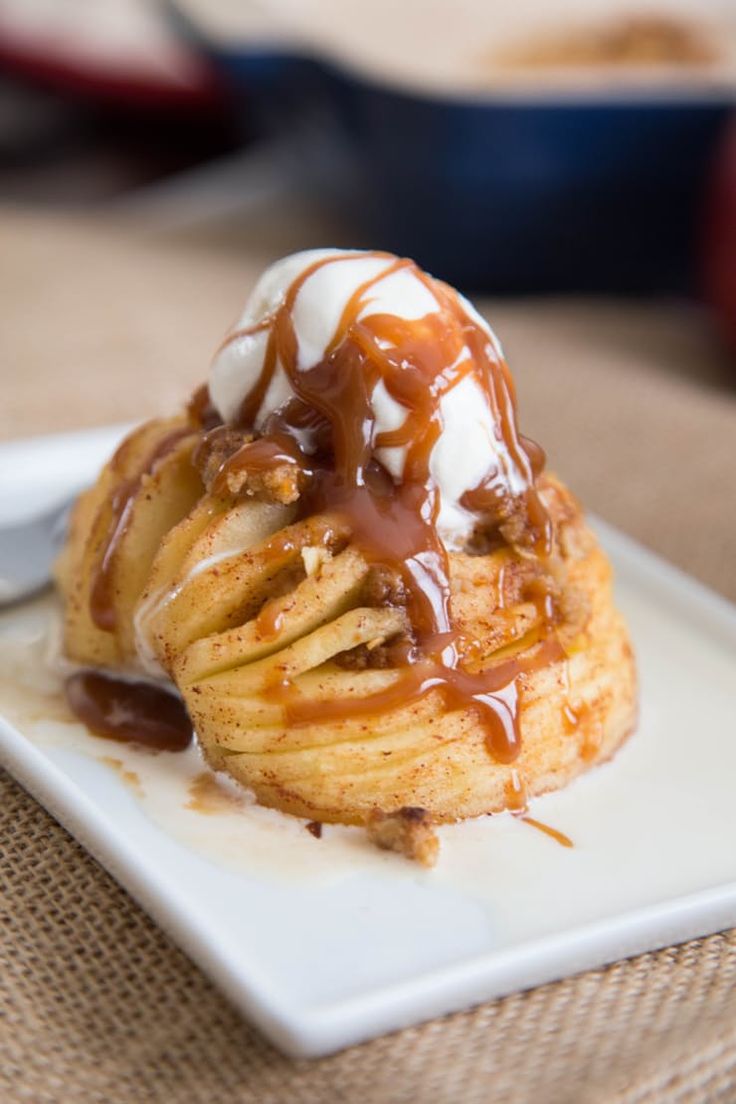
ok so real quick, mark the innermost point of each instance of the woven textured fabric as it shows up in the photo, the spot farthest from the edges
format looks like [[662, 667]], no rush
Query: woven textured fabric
[[638, 413]]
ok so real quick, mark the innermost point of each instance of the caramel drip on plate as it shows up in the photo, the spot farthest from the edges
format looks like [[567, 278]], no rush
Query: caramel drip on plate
[[553, 833], [131, 712], [329, 430]]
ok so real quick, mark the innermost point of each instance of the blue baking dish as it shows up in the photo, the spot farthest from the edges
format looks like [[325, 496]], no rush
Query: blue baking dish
[[503, 195]]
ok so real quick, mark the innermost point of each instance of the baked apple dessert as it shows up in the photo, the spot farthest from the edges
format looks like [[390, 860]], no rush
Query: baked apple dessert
[[346, 569]]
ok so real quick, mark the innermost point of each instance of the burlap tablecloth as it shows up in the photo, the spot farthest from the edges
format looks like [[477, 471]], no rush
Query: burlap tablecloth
[[636, 405]]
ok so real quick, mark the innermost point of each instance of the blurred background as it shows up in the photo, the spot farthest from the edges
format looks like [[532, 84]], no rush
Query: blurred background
[[570, 162], [560, 146]]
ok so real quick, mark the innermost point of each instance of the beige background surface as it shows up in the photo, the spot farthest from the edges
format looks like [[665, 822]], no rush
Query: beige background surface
[[636, 406]]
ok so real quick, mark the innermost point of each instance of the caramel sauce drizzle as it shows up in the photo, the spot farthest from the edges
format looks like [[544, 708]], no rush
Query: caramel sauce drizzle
[[269, 621], [516, 796], [418, 361], [200, 410], [261, 455], [570, 717], [102, 595]]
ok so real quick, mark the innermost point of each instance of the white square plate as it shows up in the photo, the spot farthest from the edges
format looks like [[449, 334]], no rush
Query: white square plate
[[323, 943]]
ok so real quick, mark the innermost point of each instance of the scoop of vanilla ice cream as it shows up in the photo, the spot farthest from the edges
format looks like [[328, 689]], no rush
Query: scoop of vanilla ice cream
[[470, 444]]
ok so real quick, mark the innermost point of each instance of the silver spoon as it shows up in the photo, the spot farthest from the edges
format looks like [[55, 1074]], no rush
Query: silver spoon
[[28, 550]]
